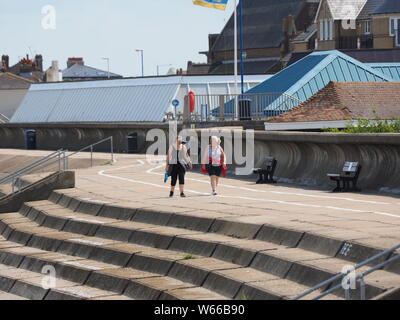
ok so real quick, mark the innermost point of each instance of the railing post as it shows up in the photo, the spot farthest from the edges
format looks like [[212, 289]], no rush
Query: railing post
[[222, 107], [59, 161], [362, 288], [91, 156], [112, 149]]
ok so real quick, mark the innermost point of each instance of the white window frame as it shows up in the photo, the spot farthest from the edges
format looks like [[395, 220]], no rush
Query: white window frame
[[331, 22], [321, 30], [367, 26], [394, 20], [326, 27]]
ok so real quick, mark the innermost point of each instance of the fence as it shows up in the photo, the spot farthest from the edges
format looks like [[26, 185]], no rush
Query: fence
[[228, 107]]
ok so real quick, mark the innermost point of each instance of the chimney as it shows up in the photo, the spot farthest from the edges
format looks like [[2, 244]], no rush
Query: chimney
[[39, 62], [72, 61], [53, 73], [5, 62]]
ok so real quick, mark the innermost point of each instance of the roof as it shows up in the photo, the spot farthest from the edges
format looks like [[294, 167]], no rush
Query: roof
[[389, 6], [10, 81], [78, 71], [391, 70], [369, 9], [251, 66], [312, 73], [345, 9], [346, 101], [262, 20], [120, 100]]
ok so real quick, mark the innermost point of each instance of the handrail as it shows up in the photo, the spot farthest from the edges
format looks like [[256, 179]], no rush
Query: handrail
[[342, 274], [30, 166], [111, 139]]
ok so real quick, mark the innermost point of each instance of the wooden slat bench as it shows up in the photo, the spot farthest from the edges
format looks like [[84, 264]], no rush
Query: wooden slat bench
[[266, 172], [349, 176]]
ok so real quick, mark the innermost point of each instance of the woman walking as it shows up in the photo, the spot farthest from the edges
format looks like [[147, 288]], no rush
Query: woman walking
[[177, 159], [214, 162]]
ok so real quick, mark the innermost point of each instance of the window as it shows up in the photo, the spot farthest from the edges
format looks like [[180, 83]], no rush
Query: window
[[326, 29], [393, 26], [321, 30], [330, 29], [367, 27]]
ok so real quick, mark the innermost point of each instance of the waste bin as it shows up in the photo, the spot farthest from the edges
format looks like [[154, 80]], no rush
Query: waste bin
[[132, 142], [244, 109], [30, 139]]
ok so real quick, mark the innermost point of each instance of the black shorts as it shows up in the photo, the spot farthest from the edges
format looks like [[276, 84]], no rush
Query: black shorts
[[214, 170]]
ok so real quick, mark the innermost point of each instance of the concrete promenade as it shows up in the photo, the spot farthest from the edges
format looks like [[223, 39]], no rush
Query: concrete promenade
[[372, 220]]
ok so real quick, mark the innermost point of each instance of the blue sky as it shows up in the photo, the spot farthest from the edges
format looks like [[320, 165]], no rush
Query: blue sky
[[170, 32]]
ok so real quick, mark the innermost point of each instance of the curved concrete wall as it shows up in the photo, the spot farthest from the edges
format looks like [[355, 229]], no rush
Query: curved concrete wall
[[303, 157], [306, 158]]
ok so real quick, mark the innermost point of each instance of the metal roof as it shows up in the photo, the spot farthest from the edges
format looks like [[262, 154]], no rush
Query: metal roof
[[81, 72], [312, 73], [391, 70], [122, 100]]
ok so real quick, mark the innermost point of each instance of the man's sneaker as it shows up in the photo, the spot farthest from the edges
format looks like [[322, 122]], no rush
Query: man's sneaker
[[214, 193], [183, 195]]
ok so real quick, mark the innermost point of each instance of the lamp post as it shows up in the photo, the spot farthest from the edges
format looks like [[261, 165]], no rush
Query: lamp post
[[108, 67], [141, 51], [162, 65]]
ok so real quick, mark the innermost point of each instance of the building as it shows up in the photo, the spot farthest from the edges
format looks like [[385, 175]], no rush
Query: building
[[269, 26], [13, 89], [340, 104], [120, 100], [373, 24], [78, 71], [26, 67]]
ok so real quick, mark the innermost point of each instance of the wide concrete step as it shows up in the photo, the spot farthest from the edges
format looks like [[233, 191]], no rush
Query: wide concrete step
[[218, 224], [21, 284], [79, 278], [199, 274], [295, 264]]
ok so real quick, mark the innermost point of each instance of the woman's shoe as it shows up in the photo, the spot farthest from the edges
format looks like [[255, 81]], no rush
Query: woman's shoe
[[214, 193], [183, 195], [171, 194]]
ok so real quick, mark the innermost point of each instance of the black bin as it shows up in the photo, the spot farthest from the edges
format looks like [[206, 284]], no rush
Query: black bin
[[132, 142], [244, 109], [30, 139]]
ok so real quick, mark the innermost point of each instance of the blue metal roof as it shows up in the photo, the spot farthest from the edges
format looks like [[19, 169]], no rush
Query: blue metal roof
[[391, 70], [307, 76]]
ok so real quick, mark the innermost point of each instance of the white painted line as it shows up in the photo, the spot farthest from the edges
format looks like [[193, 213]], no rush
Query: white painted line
[[77, 292], [150, 171]]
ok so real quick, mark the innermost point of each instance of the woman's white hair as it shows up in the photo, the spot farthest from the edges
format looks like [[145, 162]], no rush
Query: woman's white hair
[[215, 139]]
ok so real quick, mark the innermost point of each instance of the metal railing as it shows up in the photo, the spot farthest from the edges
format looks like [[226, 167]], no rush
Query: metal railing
[[344, 277], [226, 107], [4, 119], [60, 158]]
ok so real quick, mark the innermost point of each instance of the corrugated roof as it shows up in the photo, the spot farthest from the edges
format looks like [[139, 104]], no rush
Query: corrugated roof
[[81, 72], [123, 100], [312, 73], [262, 21], [389, 6]]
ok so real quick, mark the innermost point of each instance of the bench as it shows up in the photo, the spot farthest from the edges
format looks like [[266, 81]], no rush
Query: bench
[[266, 172], [349, 175]]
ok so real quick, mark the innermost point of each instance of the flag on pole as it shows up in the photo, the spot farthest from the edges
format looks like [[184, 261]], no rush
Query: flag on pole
[[216, 4]]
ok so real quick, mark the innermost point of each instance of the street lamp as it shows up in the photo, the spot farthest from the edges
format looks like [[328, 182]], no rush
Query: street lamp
[[108, 67], [141, 51], [162, 65]]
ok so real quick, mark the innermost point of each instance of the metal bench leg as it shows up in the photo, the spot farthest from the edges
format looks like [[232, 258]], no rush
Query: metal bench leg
[[337, 189]]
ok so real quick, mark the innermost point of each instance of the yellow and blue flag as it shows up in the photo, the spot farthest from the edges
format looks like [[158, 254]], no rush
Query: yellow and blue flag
[[216, 4]]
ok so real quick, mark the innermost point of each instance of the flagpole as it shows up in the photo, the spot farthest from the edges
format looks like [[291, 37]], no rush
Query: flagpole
[[235, 48]]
